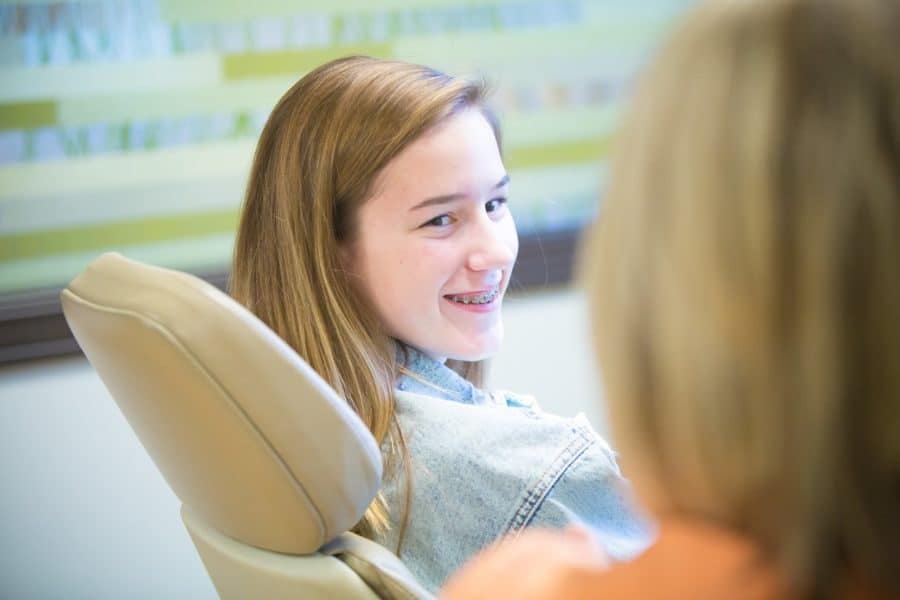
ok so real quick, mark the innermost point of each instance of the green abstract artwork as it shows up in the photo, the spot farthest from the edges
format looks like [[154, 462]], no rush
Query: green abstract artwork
[[130, 125]]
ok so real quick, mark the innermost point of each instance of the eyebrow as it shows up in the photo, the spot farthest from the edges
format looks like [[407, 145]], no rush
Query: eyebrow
[[452, 197]]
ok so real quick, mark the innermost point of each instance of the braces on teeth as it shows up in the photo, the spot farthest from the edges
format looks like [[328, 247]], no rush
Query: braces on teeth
[[480, 299]]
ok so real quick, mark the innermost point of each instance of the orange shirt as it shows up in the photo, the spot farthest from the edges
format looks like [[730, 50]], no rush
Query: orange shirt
[[690, 561]]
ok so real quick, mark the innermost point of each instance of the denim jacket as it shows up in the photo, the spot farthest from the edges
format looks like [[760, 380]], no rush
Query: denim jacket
[[484, 465]]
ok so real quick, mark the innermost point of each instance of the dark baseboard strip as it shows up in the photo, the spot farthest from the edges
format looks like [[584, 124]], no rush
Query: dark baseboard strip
[[32, 324]]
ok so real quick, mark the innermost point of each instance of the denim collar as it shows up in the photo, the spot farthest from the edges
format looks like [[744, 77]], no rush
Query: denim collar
[[421, 374]]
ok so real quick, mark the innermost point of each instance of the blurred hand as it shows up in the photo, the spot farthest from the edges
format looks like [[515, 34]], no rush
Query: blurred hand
[[537, 564]]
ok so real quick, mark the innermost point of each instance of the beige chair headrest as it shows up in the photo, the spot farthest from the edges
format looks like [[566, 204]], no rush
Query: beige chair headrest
[[242, 429]]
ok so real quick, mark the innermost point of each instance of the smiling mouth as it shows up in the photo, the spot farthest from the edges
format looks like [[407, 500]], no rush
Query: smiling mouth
[[481, 298]]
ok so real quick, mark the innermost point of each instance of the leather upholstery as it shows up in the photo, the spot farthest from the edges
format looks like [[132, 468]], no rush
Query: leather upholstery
[[242, 571], [243, 430]]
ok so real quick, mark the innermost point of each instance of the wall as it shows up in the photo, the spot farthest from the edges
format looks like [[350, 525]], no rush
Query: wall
[[85, 514]]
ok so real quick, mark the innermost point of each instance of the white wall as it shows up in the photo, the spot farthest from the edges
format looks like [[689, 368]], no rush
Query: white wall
[[547, 352], [85, 514]]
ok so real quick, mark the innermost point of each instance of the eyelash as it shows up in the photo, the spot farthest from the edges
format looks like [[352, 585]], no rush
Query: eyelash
[[435, 222], [500, 202]]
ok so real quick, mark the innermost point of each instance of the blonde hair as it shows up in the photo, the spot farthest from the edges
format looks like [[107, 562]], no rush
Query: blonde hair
[[745, 279], [322, 148]]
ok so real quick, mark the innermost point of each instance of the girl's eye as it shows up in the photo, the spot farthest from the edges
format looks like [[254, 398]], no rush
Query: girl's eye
[[439, 221], [495, 204]]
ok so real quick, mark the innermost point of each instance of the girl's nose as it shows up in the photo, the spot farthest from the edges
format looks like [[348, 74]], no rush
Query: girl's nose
[[494, 247]]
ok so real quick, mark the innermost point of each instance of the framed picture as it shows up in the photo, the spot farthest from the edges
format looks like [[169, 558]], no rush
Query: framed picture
[[130, 125]]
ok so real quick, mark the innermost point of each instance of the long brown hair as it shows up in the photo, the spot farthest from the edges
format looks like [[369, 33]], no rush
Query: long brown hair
[[745, 278], [320, 151]]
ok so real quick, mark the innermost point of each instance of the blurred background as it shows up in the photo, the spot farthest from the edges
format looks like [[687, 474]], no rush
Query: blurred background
[[130, 125]]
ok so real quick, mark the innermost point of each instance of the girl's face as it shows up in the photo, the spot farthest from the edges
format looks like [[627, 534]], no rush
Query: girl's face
[[436, 243]]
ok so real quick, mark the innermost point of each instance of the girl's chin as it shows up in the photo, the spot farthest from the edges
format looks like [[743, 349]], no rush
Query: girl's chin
[[473, 354]]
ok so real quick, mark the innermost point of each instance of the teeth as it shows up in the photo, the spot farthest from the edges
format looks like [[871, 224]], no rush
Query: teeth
[[479, 299]]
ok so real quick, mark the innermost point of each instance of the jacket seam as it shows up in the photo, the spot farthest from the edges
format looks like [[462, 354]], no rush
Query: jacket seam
[[536, 495]]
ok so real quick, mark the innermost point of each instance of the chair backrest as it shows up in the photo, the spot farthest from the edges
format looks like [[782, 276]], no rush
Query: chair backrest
[[242, 571], [257, 446]]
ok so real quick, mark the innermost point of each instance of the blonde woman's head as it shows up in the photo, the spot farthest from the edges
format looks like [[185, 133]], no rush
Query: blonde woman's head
[[745, 278], [319, 161]]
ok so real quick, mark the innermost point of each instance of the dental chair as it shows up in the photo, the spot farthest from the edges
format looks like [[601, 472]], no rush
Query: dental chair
[[271, 466]]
